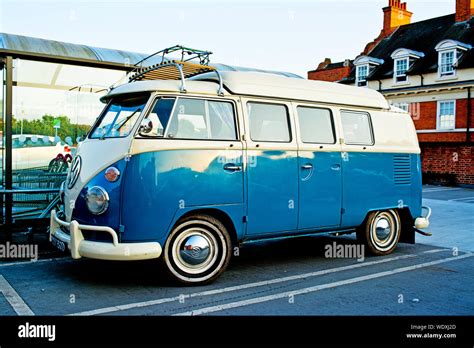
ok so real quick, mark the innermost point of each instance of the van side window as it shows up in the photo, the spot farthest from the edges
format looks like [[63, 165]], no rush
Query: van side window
[[202, 120], [268, 122], [357, 128], [316, 125]]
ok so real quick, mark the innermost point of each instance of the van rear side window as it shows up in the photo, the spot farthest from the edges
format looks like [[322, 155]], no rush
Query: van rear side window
[[316, 125], [357, 128], [269, 122]]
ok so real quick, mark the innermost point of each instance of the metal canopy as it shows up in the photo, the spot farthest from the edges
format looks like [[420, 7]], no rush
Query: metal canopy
[[57, 51], [35, 48]]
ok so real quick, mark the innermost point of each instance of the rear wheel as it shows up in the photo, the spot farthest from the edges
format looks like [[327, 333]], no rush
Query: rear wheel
[[198, 250], [381, 232]]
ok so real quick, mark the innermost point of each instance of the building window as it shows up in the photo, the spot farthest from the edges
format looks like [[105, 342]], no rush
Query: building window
[[446, 63], [447, 114], [449, 53], [401, 67], [362, 73], [403, 106]]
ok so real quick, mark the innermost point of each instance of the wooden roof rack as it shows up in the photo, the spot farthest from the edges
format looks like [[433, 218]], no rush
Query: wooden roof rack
[[173, 69]]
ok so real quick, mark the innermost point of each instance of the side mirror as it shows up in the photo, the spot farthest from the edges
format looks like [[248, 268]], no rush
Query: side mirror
[[145, 127]]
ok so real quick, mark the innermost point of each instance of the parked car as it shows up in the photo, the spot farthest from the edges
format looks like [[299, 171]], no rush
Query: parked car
[[31, 151], [235, 158]]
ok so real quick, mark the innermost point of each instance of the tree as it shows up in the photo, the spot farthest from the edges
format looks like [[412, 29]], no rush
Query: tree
[[45, 126]]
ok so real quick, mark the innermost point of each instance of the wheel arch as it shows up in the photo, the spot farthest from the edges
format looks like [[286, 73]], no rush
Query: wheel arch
[[218, 214]]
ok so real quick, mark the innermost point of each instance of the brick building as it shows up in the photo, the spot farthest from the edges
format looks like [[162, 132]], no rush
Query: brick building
[[426, 68]]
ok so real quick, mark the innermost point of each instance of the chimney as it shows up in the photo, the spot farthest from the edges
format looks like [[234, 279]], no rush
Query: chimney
[[396, 14], [324, 63], [464, 10], [335, 73]]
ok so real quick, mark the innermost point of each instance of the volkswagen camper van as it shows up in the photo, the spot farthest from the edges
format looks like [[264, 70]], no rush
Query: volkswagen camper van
[[186, 163]]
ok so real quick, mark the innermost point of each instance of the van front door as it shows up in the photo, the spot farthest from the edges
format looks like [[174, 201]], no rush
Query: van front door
[[272, 168], [319, 160]]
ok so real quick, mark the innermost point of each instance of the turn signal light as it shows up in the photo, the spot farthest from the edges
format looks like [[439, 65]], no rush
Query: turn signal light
[[112, 174]]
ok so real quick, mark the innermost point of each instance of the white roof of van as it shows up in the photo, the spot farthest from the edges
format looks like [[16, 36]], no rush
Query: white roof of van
[[265, 85]]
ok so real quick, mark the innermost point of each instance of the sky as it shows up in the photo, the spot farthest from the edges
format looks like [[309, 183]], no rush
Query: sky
[[292, 36]]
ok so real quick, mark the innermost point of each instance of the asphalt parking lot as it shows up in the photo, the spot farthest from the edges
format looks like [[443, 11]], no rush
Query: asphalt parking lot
[[290, 277], [451, 194]]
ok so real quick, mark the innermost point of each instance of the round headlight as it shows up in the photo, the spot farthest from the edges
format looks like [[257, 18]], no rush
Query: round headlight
[[112, 174], [97, 200]]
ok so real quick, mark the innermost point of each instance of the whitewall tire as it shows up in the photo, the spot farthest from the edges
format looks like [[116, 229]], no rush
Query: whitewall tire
[[381, 232], [198, 250]]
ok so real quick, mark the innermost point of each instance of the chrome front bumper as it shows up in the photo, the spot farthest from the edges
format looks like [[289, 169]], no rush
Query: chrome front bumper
[[423, 221], [100, 250]]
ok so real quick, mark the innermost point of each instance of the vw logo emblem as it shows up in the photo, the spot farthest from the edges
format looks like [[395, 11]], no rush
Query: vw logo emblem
[[74, 172]]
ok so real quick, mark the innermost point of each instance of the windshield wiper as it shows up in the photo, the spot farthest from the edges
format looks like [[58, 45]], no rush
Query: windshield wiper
[[122, 124], [128, 118]]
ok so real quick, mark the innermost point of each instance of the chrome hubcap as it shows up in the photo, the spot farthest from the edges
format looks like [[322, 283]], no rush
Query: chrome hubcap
[[382, 229], [195, 250]]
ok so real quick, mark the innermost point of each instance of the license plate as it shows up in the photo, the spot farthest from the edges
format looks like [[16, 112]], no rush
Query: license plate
[[59, 244]]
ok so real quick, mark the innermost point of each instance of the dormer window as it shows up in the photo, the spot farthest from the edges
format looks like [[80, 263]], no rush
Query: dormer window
[[449, 53], [364, 67], [403, 60], [361, 75], [401, 67], [446, 63]]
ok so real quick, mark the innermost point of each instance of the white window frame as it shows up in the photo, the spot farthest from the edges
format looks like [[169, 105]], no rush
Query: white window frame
[[358, 79], [440, 63], [395, 72], [403, 105], [438, 115], [448, 46]]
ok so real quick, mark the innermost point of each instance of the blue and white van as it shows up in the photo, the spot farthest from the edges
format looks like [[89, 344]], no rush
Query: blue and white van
[[187, 170]]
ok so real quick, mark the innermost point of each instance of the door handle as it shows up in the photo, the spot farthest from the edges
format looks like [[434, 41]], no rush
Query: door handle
[[307, 166], [336, 167], [232, 167]]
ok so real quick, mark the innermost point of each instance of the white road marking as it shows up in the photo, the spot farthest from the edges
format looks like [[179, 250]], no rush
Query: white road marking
[[468, 199], [16, 263], [433, 251], [440, 190], [17, 303], [249, 285], [320, 287]]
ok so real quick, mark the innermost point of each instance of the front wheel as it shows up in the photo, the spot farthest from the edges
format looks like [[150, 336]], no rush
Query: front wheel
[[198, 250], [381, 232]]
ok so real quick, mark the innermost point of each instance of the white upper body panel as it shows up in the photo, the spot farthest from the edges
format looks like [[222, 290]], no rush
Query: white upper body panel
[[392, 127], [275, 86], [264, 85]]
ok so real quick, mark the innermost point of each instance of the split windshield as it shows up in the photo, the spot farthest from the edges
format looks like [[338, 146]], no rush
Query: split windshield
[[119, 117]]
